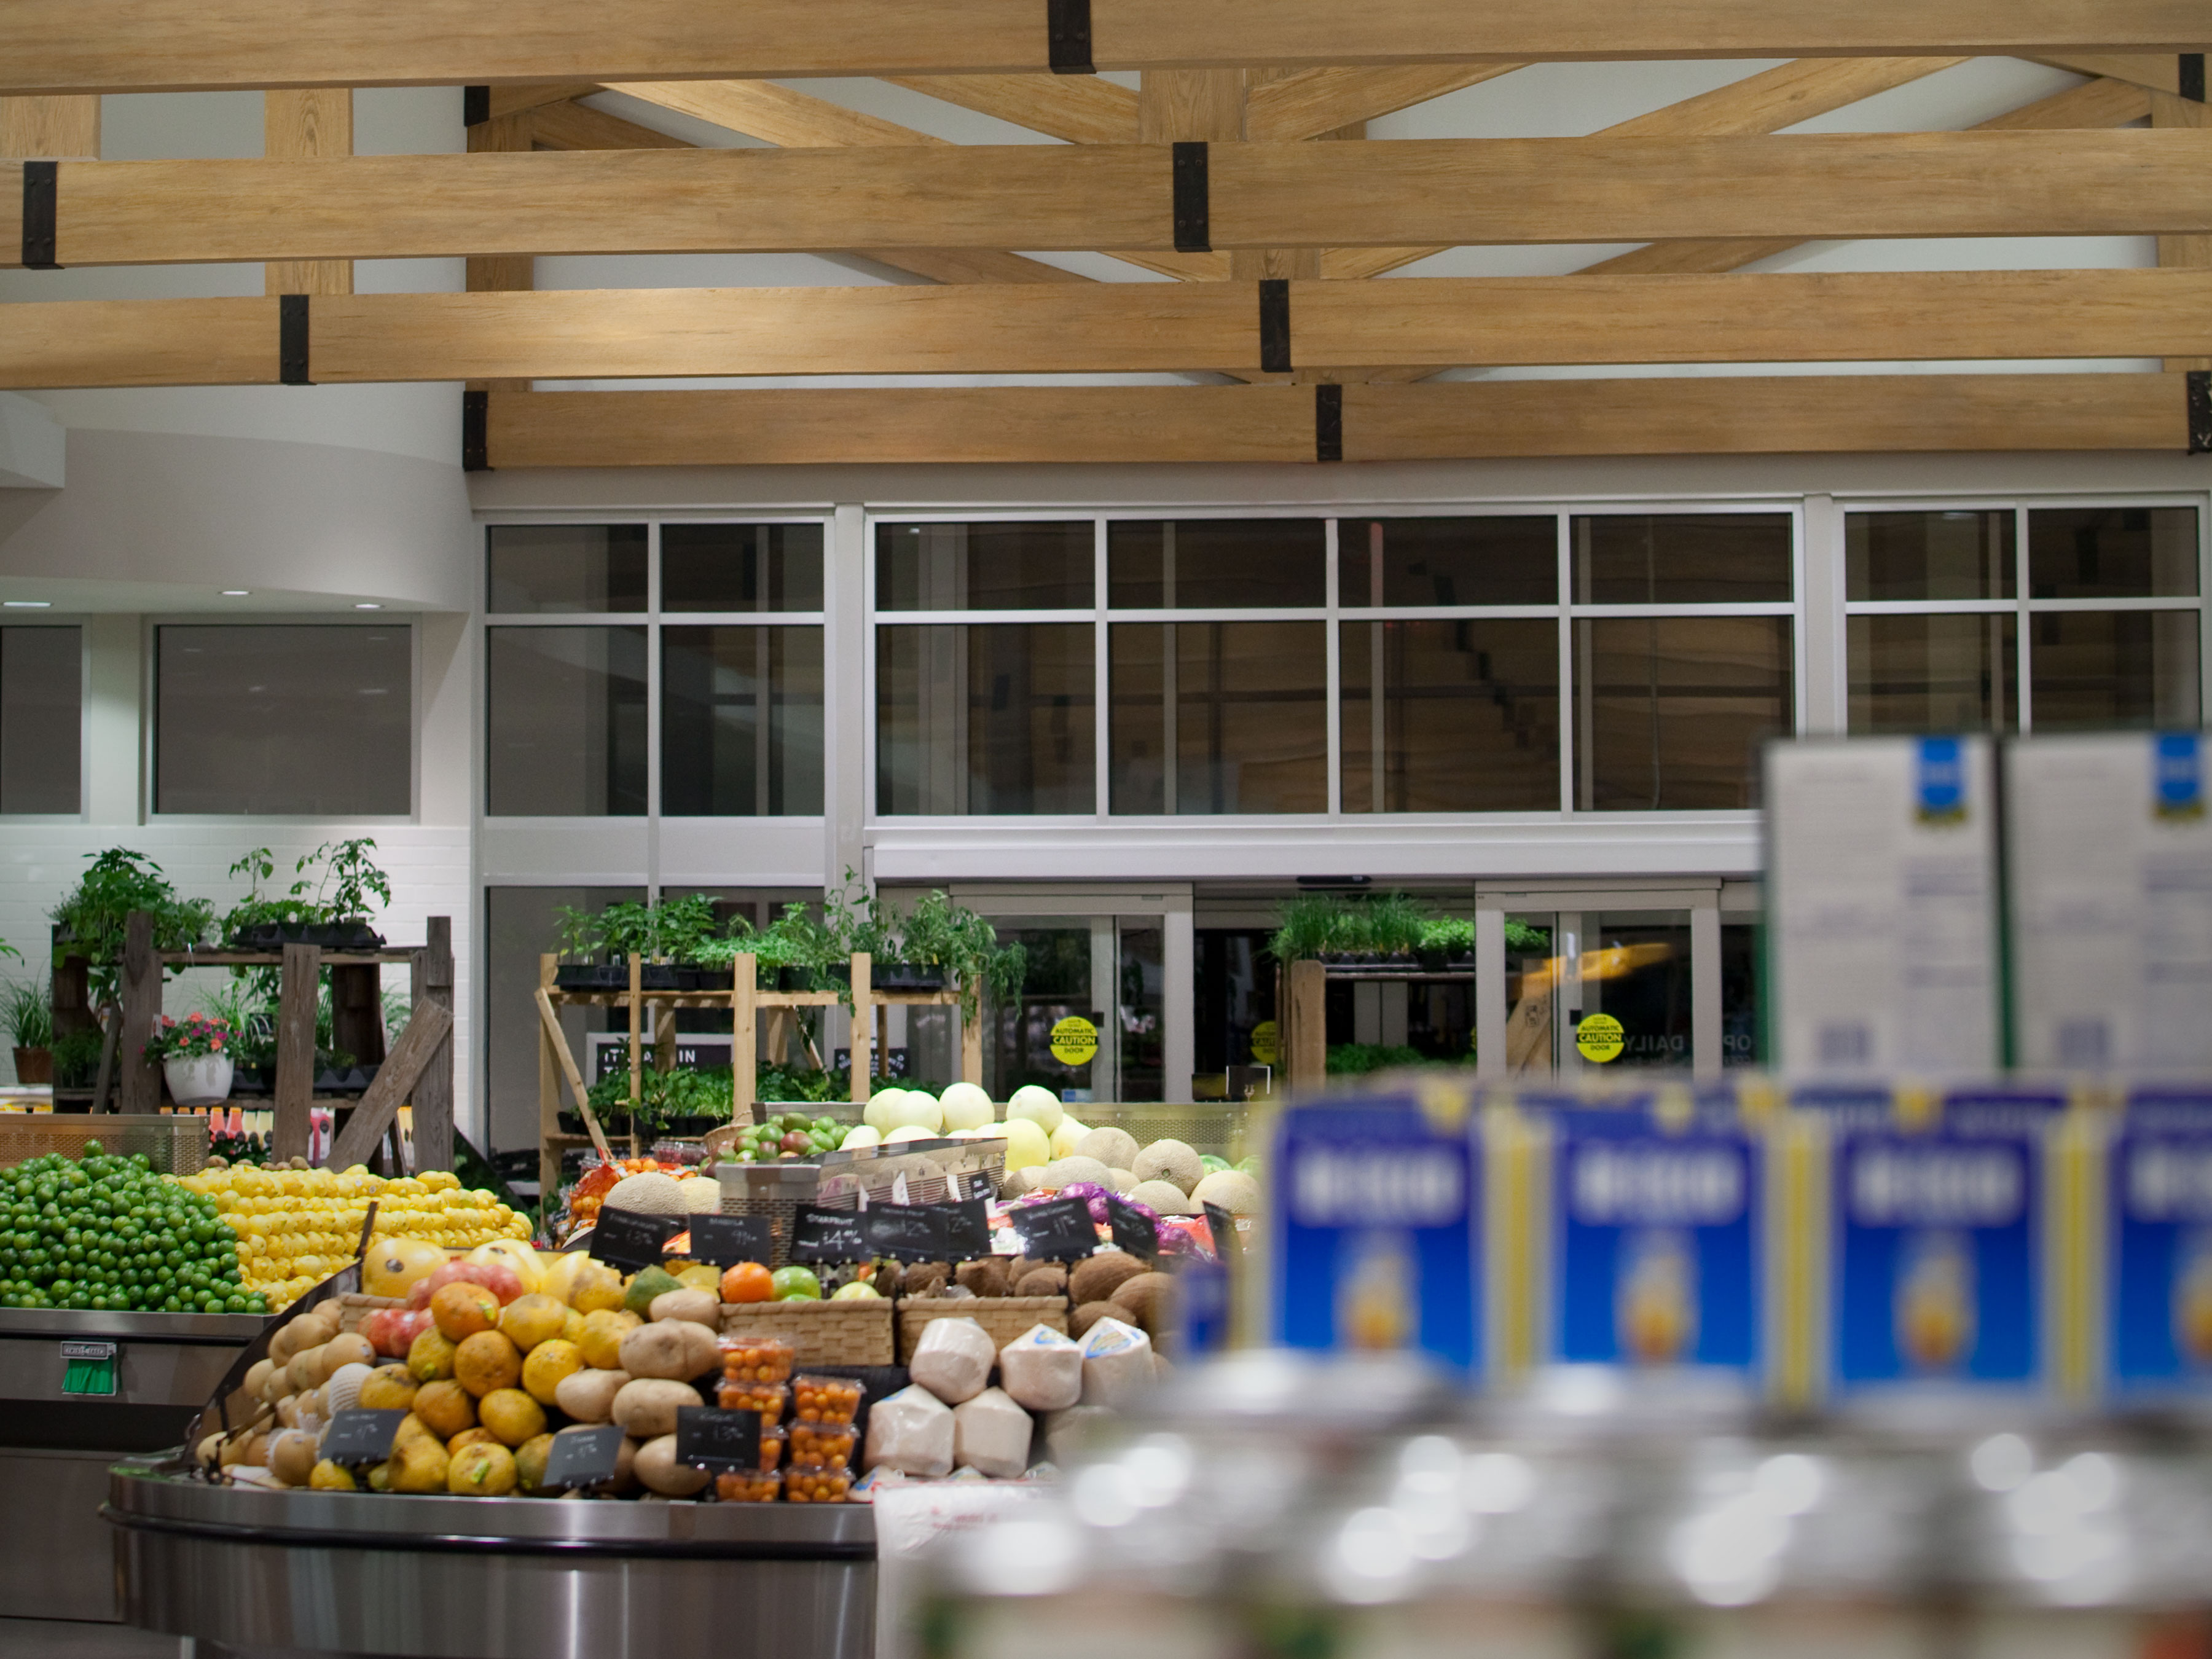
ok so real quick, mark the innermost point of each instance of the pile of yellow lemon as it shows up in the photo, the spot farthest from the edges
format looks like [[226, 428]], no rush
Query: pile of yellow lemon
[[297, 1227]]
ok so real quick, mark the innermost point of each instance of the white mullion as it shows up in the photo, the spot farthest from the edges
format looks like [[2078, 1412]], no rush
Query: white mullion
[[1102, 685], [1333, 674], [2099, 607], [2023, 702], [1763, 608], [1930, 607], [1564, 621], [1800, 661]]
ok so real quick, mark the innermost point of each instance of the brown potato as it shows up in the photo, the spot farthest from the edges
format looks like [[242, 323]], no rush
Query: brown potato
[[646, 1407], [675, 1350]]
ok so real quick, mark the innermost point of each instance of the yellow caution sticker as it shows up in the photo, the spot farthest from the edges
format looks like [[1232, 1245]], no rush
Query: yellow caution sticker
[[1074, 1040], [1265, 1043], [1598, 1039]]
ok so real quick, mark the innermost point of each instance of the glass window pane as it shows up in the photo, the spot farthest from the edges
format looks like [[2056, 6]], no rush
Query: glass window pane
[[985, 717], [741, 567], [1636, 968], [1450, 716], [1532, 977], [1682, 558], [1233, 992], [1670, 711], [1140, 1035], [1933, 673], [1929, 556], [313, 719], [985, 567], [741, 722], [565, 722], [1219, 717], [2112, 552], [1017, 1035], [1447, 561], [42, 719], [565, 569], [2105, 668], [521, 924], [1201, 563]]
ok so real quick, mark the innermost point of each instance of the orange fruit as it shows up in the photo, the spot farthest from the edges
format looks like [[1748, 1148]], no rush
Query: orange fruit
[[430, 1357], [460, 1309], [546, 1364], [481, 1471], [386, 1389], [748, 1281], [512, 1415], [600, 1339], [446, 1409], [531, 1320], [487, 1361], [478, 1436]]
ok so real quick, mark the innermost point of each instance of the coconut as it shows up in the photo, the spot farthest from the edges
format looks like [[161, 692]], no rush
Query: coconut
[[1115, 1148], [965, 1106], [1163, 1196], [647, 1195], [1170, 1160], [1040, 1106], [1231, 1189]]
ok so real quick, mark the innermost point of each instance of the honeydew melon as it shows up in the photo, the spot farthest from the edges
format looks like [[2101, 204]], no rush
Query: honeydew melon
[[860, 1136], [1065, 1138], [921, 1107], [965, 1106], [1037, 1105], [881, 1105], [1027, 1146]]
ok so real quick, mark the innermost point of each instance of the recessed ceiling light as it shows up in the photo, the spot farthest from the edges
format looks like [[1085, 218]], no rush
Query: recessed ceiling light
[[366, 604], [234, 592], [28, 605]]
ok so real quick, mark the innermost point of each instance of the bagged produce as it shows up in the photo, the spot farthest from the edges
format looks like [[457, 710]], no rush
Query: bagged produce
[[1041, 1369], [1117, 1363], [953, 1359], [992, 1433], [911, 1431]]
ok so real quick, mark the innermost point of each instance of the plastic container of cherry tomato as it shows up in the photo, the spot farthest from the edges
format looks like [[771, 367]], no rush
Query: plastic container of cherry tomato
[[748, 1486], [824, 1399], [823, 1445], [757, 1359], [768, 1399], [804, 1485]]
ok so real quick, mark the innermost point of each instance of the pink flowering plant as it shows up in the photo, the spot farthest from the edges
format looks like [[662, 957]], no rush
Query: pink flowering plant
[[193, 1037]]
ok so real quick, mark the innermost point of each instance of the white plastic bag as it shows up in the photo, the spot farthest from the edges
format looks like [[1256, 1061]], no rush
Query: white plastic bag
[[1117, 1363], [992, 1433], [953, 1359], [1042, 1369], [911, 1431]]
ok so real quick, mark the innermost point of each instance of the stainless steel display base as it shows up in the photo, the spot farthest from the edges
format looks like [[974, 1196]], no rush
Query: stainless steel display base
[[55, 1446], [491, 1578]]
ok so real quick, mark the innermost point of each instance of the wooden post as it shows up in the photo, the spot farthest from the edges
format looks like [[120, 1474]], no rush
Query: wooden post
[[664, 1038], [429, 1026], [299, 123], [1305, 1034], [72, 991], [864, 1024], [549, 1023], [140, 1078], [302, 975], [433, 981], [744, 1032], [357, 1013], [971, 1044], [636, 1044], [548, 1101]]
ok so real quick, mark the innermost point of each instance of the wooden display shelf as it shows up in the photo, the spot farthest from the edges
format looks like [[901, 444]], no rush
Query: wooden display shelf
[[556, 1063]]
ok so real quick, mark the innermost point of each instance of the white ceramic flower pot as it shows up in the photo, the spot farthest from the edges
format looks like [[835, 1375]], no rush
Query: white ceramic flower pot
[[203, 1080]]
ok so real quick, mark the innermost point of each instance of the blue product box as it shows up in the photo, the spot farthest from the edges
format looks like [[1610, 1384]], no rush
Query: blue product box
[[2156, 1327]]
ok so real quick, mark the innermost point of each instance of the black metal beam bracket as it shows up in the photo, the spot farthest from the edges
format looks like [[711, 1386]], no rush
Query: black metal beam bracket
[[1329, 422], [39, 204], [1194, 213], [1068, 37], [1274, 325], [292, 340]]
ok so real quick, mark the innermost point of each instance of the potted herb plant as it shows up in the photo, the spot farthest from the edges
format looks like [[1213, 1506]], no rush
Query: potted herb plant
[[196, 1057], [1446, 941], [28, 1012], [1394, 927], [332, 911], [94, 915], [1310, 928]]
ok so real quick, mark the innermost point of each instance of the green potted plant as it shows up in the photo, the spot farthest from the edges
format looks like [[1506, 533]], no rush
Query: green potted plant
[[962, 949], [196, 1058], [331, 912], [683, 930], [582, 935], [1446, 940], [1394, 927], [93, 917], [27, 1011], [1309, 927]]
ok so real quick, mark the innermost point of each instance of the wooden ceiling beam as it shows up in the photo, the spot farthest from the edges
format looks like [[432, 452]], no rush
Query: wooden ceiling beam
[[1014, 425], [1080, 108], [570, 125], [1113, 198], [1126, 327], [75, 47], [1309, 103]]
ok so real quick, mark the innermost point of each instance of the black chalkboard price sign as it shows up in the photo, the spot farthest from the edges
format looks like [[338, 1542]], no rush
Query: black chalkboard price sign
[[1059, 1230], [362, 1436], [1134, 1230], [630, 1240], [818, 1235], [707, 1437], [726, 1240], [1223, 1226], [905, 1232], [584, 1457], [967, 1228]]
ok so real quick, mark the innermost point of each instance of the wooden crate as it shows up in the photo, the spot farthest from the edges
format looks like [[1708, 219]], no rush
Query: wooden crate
[[1002, 1318], [820, 1333]]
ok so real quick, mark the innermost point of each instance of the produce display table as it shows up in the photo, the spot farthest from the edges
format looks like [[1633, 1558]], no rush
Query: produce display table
[[59, 1434], [491, 1578]]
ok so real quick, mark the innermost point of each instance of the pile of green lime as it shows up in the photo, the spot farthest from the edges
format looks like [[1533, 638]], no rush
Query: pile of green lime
[[107, 1232], [789, 1138]]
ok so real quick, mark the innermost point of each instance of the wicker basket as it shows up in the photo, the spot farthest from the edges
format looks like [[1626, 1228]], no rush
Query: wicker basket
[[174, 1144], [1002, 1318], [820, 1333], [354, 1306]]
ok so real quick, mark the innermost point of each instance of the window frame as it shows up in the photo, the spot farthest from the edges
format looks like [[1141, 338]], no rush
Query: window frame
[[82, 621], [150, 666], [2022, 606]]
